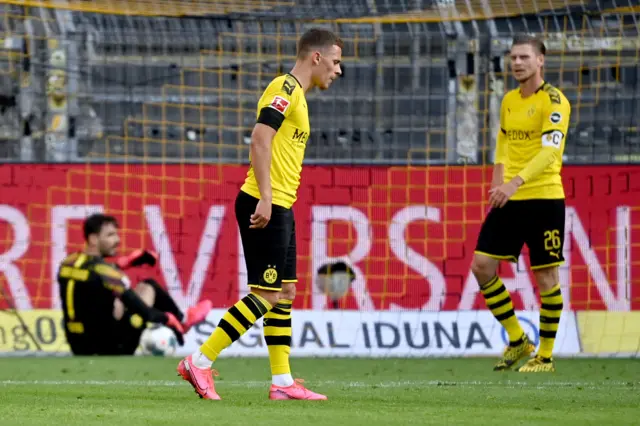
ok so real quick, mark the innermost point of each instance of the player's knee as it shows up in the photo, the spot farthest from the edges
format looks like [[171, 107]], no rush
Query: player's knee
[[288, 291], [546, 278], [269, 295], [146, 291], [118, 309], [483, 267]]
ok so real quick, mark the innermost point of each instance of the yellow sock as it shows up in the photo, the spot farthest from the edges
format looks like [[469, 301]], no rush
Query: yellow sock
[[499, 302], [235, 322], [277, 334], [550, 312]]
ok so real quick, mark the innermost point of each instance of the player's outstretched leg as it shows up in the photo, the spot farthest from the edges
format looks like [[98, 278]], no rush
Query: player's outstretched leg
[[550, 312], [163, 301], [196, 368], [277, 335], [499, 302]]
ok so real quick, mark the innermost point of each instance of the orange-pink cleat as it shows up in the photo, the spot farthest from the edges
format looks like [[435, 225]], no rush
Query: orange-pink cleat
[[200, 378], [295, 391], [196, 314]]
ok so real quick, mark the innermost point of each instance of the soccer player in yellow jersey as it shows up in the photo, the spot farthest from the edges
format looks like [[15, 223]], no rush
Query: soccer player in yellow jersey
[[527, 204], [265, 219]]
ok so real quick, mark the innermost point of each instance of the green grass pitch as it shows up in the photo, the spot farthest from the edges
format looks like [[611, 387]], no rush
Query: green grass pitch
[[147, 391]]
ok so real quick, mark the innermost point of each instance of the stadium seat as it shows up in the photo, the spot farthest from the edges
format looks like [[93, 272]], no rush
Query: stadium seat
[[151, 76]]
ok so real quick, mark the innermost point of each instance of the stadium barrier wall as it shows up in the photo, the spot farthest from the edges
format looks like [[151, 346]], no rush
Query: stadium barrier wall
[[408, 233], [332, 334], [392, 334], [373, 334]]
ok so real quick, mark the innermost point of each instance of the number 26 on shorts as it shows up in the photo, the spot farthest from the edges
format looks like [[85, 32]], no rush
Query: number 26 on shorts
[[552, 240]]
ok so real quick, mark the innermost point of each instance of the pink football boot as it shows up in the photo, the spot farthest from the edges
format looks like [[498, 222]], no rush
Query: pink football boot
[[295, 391], [200, 378]]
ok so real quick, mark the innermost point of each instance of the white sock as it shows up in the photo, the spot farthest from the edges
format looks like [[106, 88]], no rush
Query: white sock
[[200, 360], [282, 380]]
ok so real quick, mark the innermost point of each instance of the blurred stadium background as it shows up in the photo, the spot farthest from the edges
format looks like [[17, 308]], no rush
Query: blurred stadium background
[[144, 109]]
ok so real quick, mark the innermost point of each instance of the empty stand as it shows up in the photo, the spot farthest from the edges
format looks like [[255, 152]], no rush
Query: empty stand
[[159, 7], [160, 85]]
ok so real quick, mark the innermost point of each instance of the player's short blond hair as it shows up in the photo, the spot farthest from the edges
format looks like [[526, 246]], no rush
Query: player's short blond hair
[[533, 41], [317, 38]]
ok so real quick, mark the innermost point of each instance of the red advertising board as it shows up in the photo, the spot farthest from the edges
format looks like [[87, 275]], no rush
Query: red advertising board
[[409, 233]]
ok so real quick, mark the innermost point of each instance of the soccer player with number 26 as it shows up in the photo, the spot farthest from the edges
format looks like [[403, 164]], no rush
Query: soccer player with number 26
[[527, 204]]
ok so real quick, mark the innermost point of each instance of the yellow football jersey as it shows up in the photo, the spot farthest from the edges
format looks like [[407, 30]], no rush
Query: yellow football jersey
[[283, 107], [528, 127]]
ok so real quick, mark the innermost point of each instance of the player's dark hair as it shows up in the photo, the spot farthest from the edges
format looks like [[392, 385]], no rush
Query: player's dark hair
[[317, 38], [94, 223], [532, 41]]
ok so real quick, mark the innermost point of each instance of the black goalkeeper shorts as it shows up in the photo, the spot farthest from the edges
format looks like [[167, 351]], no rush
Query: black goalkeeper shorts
[[114, 337]]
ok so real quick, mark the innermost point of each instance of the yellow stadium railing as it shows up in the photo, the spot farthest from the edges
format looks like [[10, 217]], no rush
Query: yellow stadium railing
[[157, 7]]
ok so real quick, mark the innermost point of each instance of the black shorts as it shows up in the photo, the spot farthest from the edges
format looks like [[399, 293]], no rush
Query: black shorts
[[537, 223], [270, 252], [111, 337]]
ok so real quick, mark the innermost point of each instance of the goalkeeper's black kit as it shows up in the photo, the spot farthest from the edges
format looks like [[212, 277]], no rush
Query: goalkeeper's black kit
[[88, 288]]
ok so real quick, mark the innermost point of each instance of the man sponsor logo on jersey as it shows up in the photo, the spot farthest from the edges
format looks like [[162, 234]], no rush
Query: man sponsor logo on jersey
[[519, 135], [280, 104], [300, 136], [555, 117]]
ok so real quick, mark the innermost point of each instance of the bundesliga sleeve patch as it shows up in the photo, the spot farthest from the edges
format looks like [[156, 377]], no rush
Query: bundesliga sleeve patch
[[280, 104], [555, 117]]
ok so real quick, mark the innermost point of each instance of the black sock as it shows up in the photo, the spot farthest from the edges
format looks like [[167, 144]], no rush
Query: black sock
[[164, 302]]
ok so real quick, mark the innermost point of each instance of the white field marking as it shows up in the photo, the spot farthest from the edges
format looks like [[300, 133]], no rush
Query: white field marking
[[390, 384]]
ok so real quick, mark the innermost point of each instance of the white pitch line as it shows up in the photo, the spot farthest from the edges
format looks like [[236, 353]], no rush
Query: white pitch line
[[391, 384]]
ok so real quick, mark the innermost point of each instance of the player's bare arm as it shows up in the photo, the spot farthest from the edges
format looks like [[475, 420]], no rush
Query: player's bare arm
[[261, 143]]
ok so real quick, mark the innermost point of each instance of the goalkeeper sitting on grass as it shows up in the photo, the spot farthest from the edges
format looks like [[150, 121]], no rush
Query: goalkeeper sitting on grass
[[103, 315]]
